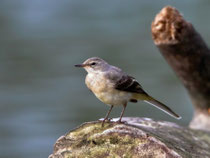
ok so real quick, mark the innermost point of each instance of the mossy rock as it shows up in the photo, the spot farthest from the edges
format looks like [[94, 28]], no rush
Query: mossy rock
[[137, 138]]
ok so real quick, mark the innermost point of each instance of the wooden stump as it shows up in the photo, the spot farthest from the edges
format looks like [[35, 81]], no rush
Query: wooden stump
[[189, 56]]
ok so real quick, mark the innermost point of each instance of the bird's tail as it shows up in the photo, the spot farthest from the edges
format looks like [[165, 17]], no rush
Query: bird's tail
[[150, 100]]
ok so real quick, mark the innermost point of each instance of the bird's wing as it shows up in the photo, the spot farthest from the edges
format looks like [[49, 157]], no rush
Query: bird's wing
[[129, 84]]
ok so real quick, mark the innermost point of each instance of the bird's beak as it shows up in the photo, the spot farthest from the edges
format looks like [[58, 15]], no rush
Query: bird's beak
[[80, 65]]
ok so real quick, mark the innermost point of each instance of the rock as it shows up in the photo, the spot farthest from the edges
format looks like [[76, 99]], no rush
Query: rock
[[137, 138]]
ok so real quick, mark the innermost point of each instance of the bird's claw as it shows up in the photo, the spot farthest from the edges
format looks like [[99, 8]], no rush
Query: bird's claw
[[120, 121], [106, 119], [109, 119]]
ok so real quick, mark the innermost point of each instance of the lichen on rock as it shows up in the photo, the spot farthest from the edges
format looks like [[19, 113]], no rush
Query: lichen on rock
[[138, 137]]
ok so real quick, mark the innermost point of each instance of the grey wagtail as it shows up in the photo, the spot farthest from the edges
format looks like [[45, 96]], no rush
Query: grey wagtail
[[114, 87]]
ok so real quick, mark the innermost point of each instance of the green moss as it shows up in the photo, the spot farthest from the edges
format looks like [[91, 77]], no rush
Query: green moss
[[123, 140], [91, 140]]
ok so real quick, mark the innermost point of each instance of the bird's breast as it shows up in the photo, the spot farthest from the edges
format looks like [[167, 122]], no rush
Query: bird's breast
[[104, 90], [97, 83]]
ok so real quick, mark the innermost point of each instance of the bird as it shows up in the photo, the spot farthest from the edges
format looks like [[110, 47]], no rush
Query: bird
[[114, 87]]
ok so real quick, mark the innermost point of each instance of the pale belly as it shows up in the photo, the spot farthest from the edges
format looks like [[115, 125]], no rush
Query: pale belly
[[105, 92], [114, 97]]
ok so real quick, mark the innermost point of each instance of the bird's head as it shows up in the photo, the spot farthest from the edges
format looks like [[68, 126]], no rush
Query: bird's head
[[94, 65]]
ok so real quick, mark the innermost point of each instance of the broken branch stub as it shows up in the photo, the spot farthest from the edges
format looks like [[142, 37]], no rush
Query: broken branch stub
[[188, 55]]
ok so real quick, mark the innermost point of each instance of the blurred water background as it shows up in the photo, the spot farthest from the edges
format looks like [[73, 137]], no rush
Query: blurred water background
[[42, 94]]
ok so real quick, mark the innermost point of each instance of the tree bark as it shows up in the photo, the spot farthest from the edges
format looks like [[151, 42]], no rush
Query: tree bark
[[189, 56], [138, 138]]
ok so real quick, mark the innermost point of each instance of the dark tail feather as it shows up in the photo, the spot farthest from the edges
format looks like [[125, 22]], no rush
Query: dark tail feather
[[162, 107]]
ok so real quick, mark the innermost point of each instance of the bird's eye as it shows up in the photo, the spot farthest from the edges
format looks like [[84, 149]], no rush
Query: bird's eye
[[93, 63]]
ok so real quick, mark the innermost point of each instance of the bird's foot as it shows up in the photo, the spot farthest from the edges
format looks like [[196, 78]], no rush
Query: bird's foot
[[109, 119], [120, 121], [105, 120]]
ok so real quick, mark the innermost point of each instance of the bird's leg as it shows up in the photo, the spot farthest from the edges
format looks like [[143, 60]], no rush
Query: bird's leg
[[124, 106], [107, 115]]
